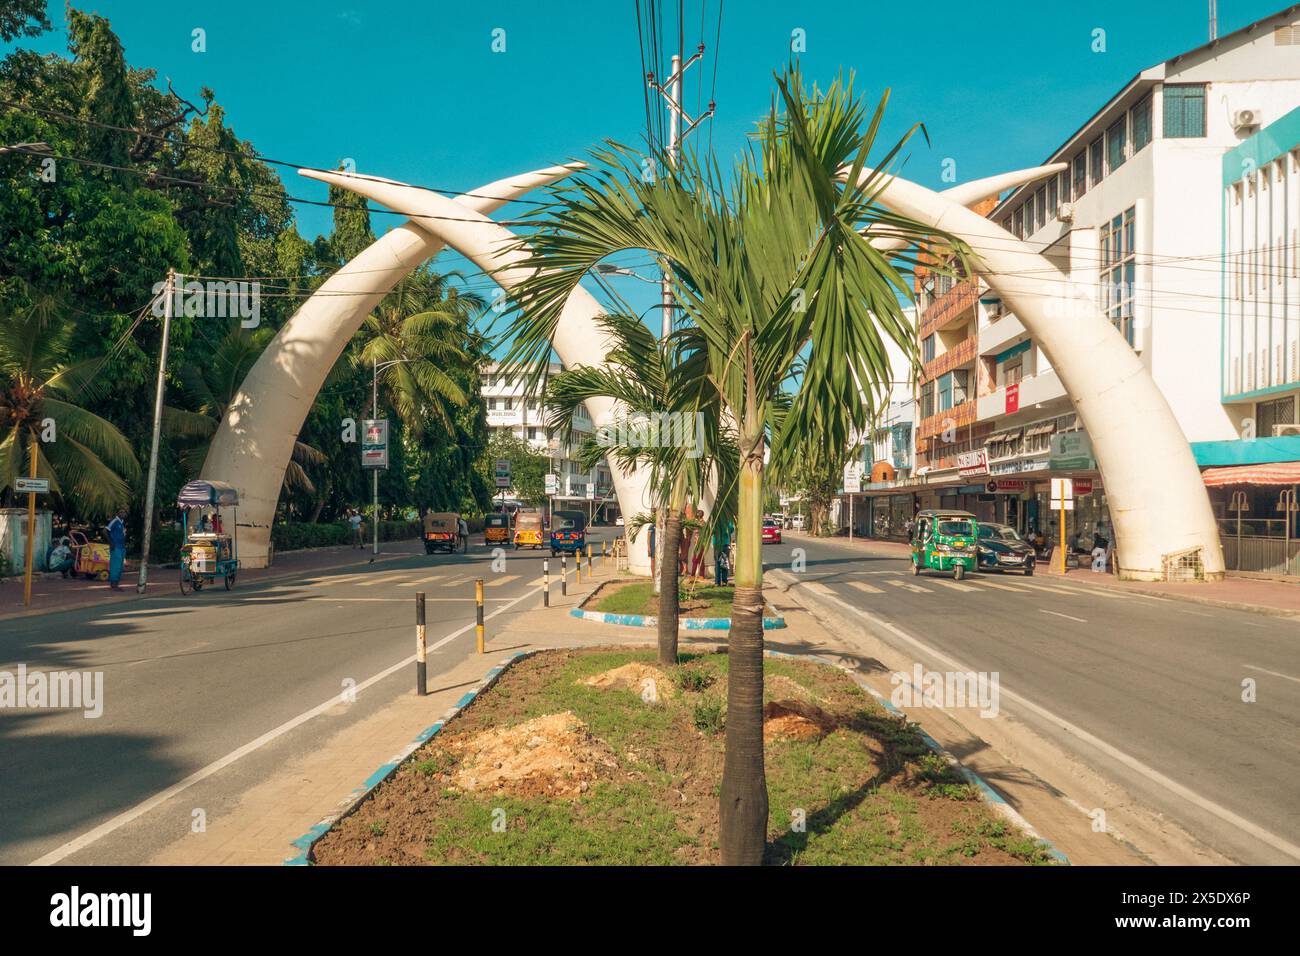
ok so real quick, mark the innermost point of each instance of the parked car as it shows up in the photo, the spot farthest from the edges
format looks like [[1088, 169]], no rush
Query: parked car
[[771, 532], [796, 522], [1002, 549]]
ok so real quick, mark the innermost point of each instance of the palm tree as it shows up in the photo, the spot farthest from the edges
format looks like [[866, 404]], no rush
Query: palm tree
[[44, 432], [422, 327], [655, 386], [778, 274], [211, 382]]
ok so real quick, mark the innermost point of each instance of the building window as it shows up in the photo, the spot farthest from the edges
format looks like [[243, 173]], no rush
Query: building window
[[1280, 411], [1142, 124], [1064, 181], [1051, 197], [952, 389], [1080, 174], [927, 348], [927, 399], [1019, 220], [1184, 111], [1117, 272], [1040, 205], [1095, 159], [1116, 141]]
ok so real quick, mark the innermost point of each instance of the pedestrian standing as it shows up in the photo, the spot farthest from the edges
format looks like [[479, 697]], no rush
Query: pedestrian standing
[[354, 519], [721, 553], [116, 548]]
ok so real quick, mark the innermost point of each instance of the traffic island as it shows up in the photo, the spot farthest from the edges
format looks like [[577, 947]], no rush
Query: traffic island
[[603, 756], [632, 602]]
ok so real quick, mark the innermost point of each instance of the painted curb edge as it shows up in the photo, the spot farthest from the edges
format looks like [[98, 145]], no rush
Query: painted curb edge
[[988, 794], [305, 843], [684, 624]]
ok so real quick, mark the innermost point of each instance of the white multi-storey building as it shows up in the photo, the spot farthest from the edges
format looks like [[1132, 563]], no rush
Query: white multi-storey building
[[509, 409]]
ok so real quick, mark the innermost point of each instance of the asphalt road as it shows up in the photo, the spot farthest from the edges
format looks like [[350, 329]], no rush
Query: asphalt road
[[1154, 685], [190, 680]]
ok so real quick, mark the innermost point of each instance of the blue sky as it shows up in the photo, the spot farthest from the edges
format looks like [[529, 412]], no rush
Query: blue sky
[[413, 90]]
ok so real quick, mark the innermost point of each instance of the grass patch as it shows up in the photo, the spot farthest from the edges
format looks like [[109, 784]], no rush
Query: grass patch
[[867, 791], [638, 597]]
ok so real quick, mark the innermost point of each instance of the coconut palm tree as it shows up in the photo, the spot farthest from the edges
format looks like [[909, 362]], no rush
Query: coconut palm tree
[[44, 432], [210, 383], [670, 424], [423, 327], [777, 272]]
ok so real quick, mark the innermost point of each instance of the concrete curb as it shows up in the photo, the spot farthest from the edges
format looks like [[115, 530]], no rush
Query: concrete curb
[[990, 796], [1264, 609], [684, 624], [305, 843]]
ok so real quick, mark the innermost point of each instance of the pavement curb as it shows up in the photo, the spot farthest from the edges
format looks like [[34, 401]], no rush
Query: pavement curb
[[1189, 598], [305, 843], [987, 793], [684, 624]]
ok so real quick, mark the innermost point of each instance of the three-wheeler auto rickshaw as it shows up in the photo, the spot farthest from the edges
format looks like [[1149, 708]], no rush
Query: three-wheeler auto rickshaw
[[441, 532], [945, 541], [210, 552], [530, 529], [568, 532], [497, 529]]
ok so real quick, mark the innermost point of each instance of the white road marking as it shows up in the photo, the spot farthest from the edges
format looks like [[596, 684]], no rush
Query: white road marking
[[1035, 586], [502, 580], [818, 588], [864, 586], [1070, 617], [911, 587], [1001, 587], [140, 809], [957, 587], [418, 581], [1274, 673], [1167, 783], [383, 580]]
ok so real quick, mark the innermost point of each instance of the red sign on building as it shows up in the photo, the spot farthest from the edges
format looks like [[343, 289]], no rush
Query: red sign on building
[[1013, 398], [1082, 486]]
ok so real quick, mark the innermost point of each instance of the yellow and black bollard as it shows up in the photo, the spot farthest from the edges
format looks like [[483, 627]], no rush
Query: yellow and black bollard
[[421, 686], [564, 575], [603, 555], [590, 566], [478, 625], [546, 582], [577, 569]]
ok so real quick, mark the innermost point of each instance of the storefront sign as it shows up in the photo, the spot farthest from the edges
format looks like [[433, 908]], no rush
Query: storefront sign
[[1083, 486], [1006, 486], [1013, 398], [1071, 451], [853, 478], [970, 463]]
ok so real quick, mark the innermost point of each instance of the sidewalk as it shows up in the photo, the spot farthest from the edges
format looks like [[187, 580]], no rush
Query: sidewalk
[[1261, 595], [272, 814], [52, 592]]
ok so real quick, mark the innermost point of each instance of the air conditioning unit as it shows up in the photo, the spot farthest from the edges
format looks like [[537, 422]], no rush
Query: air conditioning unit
[[1280, 430], [1065, 212], [1245, 119]]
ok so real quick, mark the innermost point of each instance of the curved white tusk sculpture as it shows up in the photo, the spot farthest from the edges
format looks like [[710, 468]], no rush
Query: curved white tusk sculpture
[[251, 449], [1157, 498], [578, 340]]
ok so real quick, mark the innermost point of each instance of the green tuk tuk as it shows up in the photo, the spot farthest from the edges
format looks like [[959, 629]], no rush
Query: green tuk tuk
[[944, 540]]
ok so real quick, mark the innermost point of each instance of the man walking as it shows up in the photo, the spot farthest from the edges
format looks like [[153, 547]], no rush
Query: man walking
[[116, 548], [721, 552]]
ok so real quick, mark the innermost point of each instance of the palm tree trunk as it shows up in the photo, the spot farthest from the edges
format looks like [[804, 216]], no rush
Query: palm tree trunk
[[669, 577], [743, 812]]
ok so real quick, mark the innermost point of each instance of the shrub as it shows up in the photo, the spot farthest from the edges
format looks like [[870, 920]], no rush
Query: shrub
[[708, 716], [694, 680]]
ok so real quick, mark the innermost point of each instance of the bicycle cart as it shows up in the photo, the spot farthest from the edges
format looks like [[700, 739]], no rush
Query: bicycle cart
[[89, 558], [210, 553]]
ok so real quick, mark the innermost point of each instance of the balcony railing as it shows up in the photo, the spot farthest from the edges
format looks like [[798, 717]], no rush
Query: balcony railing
[[956, 417], [961, 354], [953, 303]]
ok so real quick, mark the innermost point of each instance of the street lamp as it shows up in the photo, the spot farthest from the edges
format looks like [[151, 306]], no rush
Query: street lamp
[[374, 411], [609, 269]]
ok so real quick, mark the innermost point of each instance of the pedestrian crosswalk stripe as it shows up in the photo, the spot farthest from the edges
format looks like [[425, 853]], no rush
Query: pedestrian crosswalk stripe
[[955, 586], [1047, 587], [502, 580], [911, 587], [1086, 591], [817, 588], [418, 581], [864, 586], [1002, 587], [384, 580]]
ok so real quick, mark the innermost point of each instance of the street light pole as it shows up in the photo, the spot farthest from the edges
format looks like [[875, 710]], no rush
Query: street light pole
[[151, 485]]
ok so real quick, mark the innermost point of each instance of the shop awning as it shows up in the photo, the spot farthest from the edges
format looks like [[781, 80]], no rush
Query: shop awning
[[1000, 437], [1275, 473], [1040, 429]]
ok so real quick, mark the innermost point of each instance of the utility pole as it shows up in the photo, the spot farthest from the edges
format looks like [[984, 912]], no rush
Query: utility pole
[[152, 483], [671, 90]]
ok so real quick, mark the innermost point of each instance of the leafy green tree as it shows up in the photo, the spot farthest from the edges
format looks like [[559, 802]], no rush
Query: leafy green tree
[[88, 462], [776, 270], [22, 18], [527, 468]]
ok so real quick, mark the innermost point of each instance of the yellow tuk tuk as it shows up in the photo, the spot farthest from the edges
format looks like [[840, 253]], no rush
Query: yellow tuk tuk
[[496, 529], [529, 529]]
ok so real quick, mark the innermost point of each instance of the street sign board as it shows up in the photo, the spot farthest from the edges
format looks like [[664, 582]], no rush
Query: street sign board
[[374, 443], [591, 492], [552, 484], [27, 486], [1071, 451], [853, 478], [1062, 488], [503, 473]]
